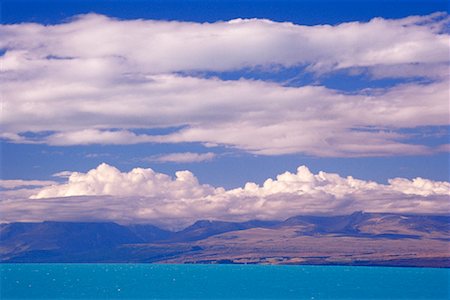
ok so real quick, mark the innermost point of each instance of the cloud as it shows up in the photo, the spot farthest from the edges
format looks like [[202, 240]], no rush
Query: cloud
[[12, 184], [63, 174], [420, 186], [145, 196], [94, 136], [98, 43], [258, 117], [95, 80], [107, 180], [184, 157]]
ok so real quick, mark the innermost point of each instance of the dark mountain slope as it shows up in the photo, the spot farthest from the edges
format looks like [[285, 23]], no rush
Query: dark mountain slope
[[67, 235], [220, 241], [330, 224], [150, 233], [204, 228], [55, 241]]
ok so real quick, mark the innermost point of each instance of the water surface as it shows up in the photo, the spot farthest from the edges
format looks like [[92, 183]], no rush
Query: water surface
[[152, 281]]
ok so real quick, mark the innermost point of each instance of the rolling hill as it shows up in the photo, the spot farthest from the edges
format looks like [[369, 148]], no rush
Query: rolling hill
[[356, 239]]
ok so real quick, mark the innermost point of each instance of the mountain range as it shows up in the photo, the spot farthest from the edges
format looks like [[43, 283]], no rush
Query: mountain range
[[357, 239]]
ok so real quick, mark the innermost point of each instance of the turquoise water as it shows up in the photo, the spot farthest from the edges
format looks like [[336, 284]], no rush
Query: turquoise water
[[150, 281]]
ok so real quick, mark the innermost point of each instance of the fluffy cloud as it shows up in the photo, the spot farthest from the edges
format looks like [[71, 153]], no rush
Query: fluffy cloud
[[107, 180], [143, 195], [93, 80], [420, 186]]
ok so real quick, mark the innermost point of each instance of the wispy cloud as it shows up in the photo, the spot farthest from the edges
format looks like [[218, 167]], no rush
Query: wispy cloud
[[257, 117], [123, 75], [12, 184], [100, 43], [62, 174], [143, 195], [183, 157]]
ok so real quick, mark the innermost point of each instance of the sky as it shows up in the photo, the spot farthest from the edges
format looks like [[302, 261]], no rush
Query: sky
[[171, 111]]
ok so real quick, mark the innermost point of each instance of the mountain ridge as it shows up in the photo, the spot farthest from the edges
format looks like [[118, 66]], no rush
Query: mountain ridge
[[358, 238]]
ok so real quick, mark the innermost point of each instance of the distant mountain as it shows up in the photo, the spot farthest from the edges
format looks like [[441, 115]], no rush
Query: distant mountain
[[149, 233], [330, 224], [67, 235], [203, 229], [359, 238], [370, 224], [42, 241]]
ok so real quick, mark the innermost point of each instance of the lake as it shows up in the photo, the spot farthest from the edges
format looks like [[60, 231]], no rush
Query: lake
[[153, 281]]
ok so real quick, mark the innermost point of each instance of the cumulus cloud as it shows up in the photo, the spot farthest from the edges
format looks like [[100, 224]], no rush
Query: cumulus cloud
[[420, 186], [183, 157], [108, 180], [145, 196], [94, 80]]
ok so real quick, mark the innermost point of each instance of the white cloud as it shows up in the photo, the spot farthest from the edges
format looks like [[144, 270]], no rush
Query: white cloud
[[420, 186], [183, 157], [107, 180], [145, 196], [12, 184], [63, 174], [255, 116], [93, 79], [95, 136], [98, 43]]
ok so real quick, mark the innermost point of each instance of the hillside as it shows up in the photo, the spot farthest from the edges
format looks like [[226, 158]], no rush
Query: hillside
[[356, 239]]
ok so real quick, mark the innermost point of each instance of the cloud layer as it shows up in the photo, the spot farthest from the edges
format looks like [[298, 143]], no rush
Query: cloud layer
[[145, 196], [164, 47], [11, 184], [94, 80]]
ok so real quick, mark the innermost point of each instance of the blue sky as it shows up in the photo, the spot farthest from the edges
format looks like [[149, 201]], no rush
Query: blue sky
[[285, 84], [302, 12], [40, 161]]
